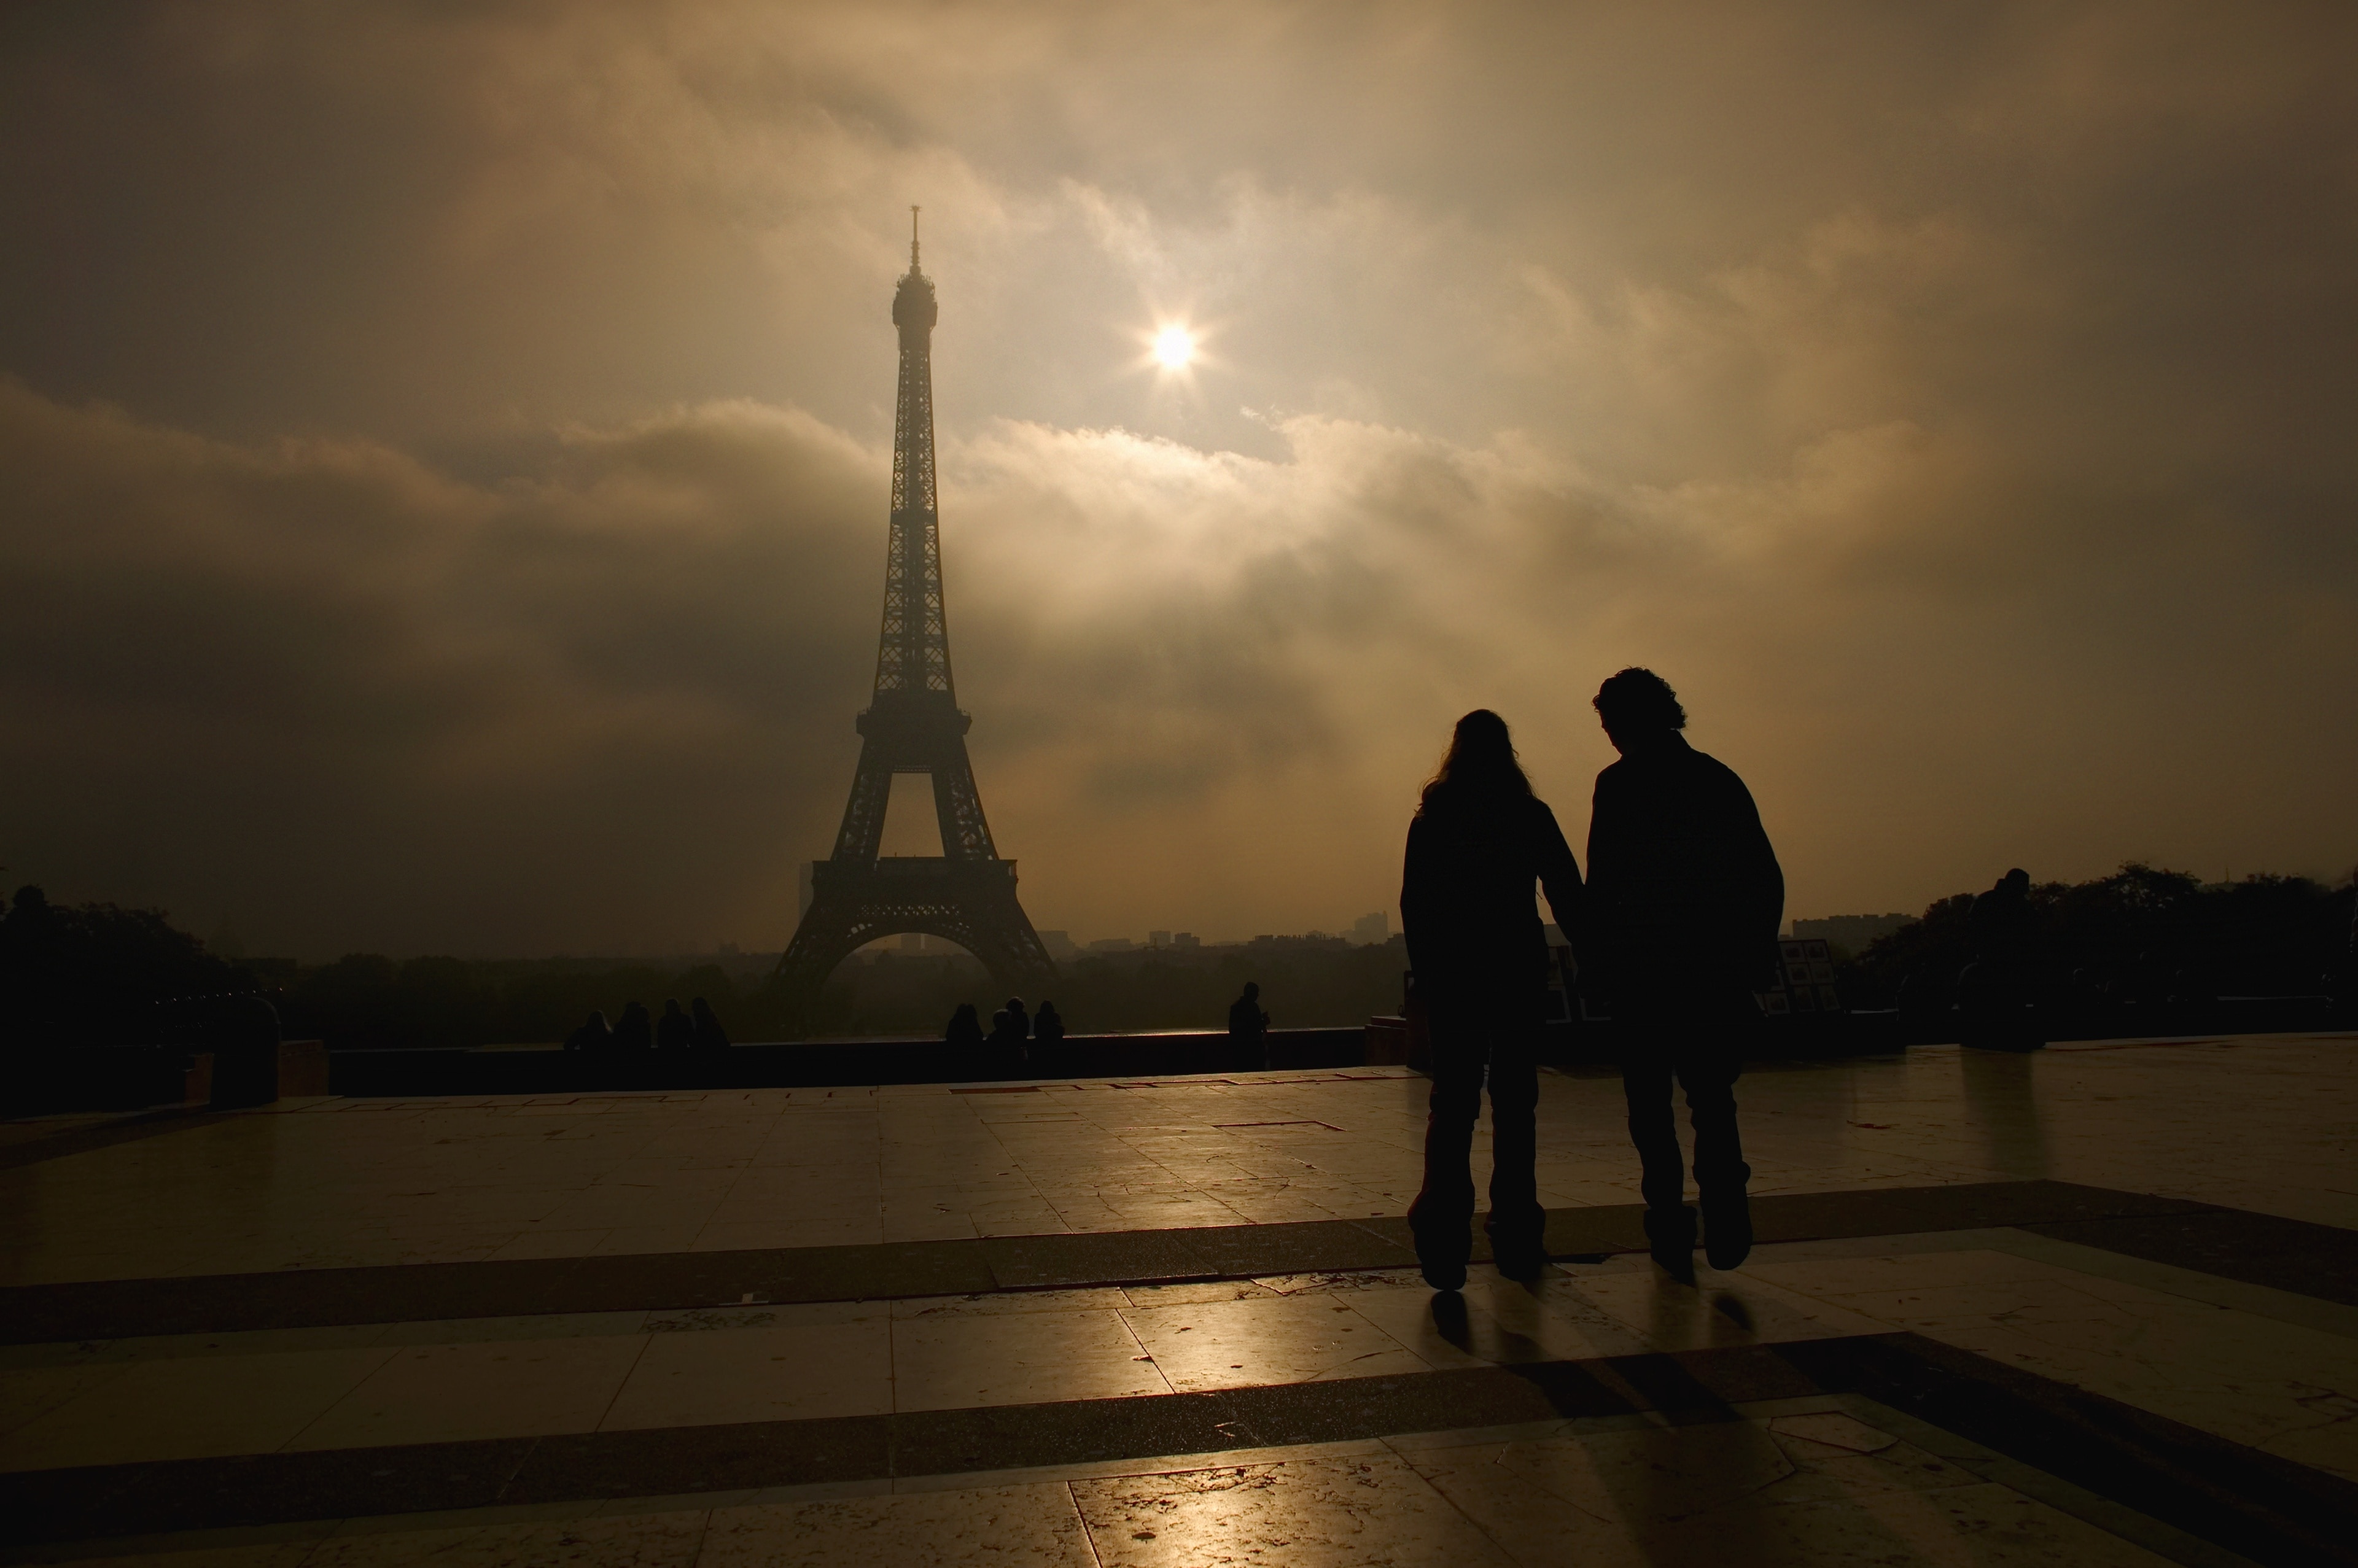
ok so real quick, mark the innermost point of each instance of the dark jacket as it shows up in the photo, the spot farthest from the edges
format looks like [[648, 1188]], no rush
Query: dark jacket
[[1684, 892], [1465, 891], [2002, 927]]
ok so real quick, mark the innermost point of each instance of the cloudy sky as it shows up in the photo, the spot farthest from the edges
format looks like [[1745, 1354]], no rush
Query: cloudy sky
[[443, 448]]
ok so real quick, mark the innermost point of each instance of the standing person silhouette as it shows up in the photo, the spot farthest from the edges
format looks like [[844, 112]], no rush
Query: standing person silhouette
[[1685, 897], [1993, 992], [1480, 841], [1249, 1026]]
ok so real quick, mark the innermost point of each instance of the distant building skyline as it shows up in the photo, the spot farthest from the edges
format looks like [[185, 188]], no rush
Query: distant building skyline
[[1853, 933]]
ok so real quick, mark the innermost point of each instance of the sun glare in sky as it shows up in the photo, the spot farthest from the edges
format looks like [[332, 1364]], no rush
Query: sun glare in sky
[[1173, 347]]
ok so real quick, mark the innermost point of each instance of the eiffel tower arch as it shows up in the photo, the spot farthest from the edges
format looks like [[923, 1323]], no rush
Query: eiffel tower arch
[[912, 725]]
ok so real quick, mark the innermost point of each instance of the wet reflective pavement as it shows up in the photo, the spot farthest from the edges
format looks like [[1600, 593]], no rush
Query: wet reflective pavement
[[2123, 1341]]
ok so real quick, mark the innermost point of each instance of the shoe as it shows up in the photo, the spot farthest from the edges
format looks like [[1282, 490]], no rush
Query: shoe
[[1518, 1252], [1727, 1232], [1519, 1262], [1442, 1251], [1442, 1274], [1670, 1237]]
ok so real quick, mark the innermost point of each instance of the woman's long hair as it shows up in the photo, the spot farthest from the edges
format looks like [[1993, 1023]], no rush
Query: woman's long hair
[[1479, 769]]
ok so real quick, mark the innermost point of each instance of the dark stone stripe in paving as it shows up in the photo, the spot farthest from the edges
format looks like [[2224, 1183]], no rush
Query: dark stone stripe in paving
[[103, 1135], [2252, 1502], [102, 1500], [1044, 1263], [205, 1494], [2295, 1255], [320, 1298], [1969, 1206], [739, 1457], [2220, 1242]]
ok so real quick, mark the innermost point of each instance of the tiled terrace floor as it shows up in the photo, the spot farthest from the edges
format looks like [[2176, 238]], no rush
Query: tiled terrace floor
[[2259, 1124], [1344, 1417]]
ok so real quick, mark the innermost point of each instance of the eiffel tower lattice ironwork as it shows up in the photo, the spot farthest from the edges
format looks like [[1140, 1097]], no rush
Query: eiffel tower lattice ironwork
[[912, 725]]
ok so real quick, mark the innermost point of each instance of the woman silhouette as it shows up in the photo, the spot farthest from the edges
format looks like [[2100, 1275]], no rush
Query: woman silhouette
[[1479, 840], [965, 1026]]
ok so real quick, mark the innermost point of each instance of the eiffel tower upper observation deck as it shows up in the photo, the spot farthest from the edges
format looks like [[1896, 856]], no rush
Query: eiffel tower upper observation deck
[[912, 725]]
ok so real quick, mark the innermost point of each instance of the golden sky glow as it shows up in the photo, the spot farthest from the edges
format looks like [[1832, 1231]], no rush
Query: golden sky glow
[[443, 451]]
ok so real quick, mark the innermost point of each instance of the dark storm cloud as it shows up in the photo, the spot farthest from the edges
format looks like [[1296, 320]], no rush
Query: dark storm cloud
[[1952, 400], [373, 705]]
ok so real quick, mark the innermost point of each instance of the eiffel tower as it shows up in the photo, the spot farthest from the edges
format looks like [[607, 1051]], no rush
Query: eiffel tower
[[912, 725]]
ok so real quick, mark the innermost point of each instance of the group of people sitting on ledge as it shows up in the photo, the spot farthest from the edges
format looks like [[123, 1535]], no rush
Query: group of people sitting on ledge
[[1013, 1030], [696, 1030]]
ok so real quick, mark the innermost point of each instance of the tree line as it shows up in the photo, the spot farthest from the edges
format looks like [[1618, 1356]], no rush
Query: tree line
[[95, 974], [2141, 937]]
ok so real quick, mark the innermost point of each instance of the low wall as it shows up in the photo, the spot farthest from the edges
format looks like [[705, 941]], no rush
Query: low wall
[[827, 1063], [106, 1077]]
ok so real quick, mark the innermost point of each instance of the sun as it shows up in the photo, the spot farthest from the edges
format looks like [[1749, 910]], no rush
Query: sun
[[1174, 347]]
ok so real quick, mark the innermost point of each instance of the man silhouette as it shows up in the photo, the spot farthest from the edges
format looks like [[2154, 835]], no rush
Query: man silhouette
[[1684, 899], [1994, 991], [1248, 1025]]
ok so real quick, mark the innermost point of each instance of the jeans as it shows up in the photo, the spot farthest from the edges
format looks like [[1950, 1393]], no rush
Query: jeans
[[1492, 1038], [1703, 1054]]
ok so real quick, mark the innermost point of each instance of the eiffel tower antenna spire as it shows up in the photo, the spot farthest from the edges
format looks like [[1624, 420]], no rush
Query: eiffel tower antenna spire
[[912, 725]]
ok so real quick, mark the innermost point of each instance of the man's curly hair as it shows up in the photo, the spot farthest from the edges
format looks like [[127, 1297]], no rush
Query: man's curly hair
[[1634, 701]]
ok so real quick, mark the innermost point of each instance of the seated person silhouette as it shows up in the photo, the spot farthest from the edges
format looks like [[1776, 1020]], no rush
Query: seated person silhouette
[[1048, 1025], [964, 1026], [674, 1031], [634, 1030], [1010, 1026], [595, 1037], [1684, 899], [708, 1034], [1479, 843]]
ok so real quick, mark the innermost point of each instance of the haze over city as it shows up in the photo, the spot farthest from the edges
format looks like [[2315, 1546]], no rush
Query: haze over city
[[443, 453]]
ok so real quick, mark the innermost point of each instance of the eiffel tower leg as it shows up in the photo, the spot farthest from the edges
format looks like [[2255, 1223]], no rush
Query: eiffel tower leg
[[831, 932], [862, 833], [996, 930], [958, 805], [973, 906]]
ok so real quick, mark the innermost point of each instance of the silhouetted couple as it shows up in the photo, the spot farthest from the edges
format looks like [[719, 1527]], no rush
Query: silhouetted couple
[[1675, 930]]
